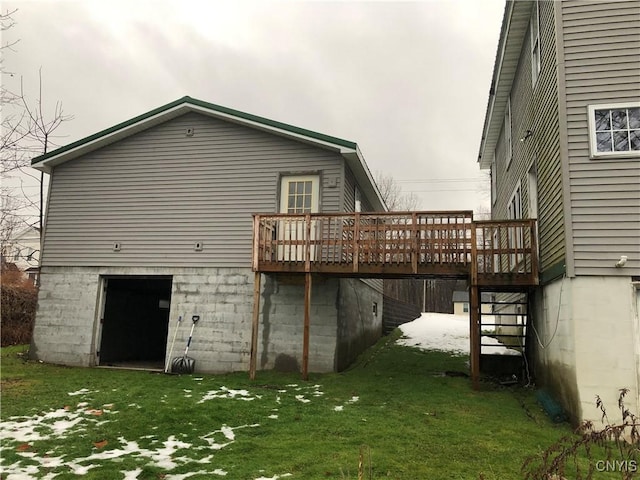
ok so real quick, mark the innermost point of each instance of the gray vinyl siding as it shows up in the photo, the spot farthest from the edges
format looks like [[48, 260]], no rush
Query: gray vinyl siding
[[160, 191], [601, 47], [545, 111], [349, 190], [535, 108], [349, 203]]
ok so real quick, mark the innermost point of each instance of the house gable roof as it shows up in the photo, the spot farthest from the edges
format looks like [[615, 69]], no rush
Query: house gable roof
[[515, 24], [349, 150]]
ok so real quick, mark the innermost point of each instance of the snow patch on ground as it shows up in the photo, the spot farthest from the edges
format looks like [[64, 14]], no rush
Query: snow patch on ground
[[163, 456], [313, 391], [51, 425], [214, 441], [24, 433], [82, 391], [447, 333], [224, 392], [340, 408], [275, 477]]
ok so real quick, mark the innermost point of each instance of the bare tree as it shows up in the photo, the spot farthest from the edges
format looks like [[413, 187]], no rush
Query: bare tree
[[27, 131], [392, 194], [408, 291], [482, 212], [9, 221]]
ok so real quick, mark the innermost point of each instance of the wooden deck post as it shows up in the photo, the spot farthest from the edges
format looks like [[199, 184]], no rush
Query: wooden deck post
[[305, 335], [474, 337], [534, 252], [415, 249], [307, 243], [474, 312], [356, 242], [254, 326], [256, 243]]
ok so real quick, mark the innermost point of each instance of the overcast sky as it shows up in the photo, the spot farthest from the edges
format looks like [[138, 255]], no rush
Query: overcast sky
[[407, 81]]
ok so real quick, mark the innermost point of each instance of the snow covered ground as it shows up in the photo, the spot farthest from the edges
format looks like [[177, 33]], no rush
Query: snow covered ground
[[447, 333]]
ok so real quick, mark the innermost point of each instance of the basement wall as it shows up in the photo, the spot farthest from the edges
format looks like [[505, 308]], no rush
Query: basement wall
[[359, 320], [589, 329], [69, 307]]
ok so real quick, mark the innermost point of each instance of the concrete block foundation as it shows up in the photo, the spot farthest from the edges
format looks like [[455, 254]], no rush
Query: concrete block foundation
[[343, 322]]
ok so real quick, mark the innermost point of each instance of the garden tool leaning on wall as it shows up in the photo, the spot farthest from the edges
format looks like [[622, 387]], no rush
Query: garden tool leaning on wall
[[185, 364]]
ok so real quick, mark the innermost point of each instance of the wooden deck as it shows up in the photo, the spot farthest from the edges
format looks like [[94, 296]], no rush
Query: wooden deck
[[491, 254], [396, 245]]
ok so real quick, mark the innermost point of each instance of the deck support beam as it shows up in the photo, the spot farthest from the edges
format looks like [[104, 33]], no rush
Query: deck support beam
[[474, 314], [254, 326], [474, 335], [307, 321]]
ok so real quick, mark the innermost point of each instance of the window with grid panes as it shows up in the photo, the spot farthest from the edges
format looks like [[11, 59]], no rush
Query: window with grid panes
[[299, 197], [614, 130]]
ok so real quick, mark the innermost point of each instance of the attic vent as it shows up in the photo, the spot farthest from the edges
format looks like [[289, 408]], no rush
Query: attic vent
[[189, 132]]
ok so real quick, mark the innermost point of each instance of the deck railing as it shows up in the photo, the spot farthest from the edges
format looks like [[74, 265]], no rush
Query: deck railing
[[444, 243], [507, 248]]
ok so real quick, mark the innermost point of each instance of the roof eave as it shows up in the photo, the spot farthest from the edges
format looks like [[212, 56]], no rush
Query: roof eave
[[105, 137], [515, 24], [365, 179], [348, 150], [174, 109]]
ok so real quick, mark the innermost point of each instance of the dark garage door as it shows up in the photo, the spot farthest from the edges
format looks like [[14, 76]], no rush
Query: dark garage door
[[135, 321]]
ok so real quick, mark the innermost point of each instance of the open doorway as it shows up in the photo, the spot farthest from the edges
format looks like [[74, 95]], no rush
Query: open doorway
[[135, 322]]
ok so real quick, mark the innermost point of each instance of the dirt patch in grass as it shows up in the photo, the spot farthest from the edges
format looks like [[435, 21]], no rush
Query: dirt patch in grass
[[15, 385]]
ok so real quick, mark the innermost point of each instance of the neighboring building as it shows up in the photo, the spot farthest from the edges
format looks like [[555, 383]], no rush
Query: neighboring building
[[562, 140], [23, 250], [151, 219], [461, 303]]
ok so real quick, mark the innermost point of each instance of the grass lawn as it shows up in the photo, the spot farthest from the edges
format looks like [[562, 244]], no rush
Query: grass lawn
[[394, 405]]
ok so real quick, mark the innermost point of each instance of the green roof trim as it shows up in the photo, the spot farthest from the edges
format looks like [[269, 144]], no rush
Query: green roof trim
[[205, 105], [553, 272]]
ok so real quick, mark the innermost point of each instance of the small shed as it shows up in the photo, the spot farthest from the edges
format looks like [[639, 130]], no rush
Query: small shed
[[461, 302]]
